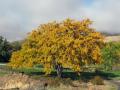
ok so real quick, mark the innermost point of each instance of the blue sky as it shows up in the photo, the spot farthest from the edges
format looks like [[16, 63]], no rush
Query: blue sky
[[88, 3], [18, 17]]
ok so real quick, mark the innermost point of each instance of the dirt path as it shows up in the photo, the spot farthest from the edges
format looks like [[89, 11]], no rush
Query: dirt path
[[116, 82]]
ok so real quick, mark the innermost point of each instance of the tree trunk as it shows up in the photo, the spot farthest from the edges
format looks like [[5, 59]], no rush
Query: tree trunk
[[59, 70]]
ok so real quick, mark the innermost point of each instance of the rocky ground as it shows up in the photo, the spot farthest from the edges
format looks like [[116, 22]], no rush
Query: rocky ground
[[24, 82], [116, 82]]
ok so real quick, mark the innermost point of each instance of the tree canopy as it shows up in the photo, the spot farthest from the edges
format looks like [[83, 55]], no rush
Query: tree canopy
[[66, 44]]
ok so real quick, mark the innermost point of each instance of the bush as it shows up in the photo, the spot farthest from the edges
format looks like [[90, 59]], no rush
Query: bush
[[54, 82], [66, 81], [97, 80]]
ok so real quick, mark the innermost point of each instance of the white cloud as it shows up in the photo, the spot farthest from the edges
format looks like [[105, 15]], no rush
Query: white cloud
[[17, 17]]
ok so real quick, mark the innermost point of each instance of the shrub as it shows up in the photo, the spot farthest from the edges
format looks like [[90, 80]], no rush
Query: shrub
[[66, 81], [97, 80], [55, 82]]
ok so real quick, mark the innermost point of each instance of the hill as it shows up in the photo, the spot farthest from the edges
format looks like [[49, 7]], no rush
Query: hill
[[112, 38]]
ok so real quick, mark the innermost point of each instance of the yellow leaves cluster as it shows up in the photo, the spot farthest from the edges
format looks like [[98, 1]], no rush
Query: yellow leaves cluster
[[70, 43]]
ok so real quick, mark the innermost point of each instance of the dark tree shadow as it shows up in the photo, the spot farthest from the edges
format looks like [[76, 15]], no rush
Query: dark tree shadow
[[84, 76]]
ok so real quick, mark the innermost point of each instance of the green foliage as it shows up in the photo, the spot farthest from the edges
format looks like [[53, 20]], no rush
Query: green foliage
[[5, 50], [16, 45], [97, 80], [111, 55], [69, 44]]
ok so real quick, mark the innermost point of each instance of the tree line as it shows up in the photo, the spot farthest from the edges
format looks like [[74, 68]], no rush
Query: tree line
[[7, 48]]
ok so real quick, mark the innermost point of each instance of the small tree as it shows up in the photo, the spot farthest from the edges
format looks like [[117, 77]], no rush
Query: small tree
[[69, 44], [111, 55]]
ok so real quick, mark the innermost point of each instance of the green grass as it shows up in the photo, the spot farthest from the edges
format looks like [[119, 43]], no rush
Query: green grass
[[67, 73], [3, 73], [117, 73], [30, 71]]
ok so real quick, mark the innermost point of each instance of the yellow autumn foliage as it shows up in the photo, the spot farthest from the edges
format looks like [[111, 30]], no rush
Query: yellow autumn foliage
[[70, 43]]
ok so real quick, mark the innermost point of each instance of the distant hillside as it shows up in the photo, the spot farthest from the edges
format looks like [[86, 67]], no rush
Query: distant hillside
[[110, 34], [112, 38]]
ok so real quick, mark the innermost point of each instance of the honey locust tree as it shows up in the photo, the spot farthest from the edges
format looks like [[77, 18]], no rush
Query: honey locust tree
[[57, 45]]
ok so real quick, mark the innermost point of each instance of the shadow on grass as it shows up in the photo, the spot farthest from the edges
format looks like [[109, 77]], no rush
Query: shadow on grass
[[85, 76], [66, 74]]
